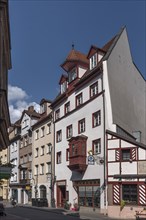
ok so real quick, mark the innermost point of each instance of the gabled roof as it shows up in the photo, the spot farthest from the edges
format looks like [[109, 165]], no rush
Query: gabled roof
[[63, 78], [94, 49], [31, 113], [45, 100]]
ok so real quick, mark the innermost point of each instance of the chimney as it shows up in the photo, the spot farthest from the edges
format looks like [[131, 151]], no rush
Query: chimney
[[31, 108]]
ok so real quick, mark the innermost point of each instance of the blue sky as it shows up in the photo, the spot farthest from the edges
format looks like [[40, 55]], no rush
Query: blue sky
[[42, 32]]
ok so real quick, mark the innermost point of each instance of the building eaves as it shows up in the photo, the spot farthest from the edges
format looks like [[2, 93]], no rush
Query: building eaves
[[127, 139]]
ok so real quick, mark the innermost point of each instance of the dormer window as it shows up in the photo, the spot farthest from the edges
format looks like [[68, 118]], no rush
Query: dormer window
[[72, 75], [63, 87], [93, 61], [42, 109]]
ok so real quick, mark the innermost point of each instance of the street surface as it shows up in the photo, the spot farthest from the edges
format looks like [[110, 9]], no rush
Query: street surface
[[21, 213]]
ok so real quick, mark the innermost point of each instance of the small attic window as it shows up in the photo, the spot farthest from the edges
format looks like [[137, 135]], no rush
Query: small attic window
[[42, 109], [72, 75], [63, 87], [93, 61]]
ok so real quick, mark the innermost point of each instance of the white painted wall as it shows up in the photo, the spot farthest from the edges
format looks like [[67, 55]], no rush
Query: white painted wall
[[127, 89]]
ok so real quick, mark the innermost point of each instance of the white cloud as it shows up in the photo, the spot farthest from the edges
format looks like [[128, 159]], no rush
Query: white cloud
[[18, 101], [15, 93]]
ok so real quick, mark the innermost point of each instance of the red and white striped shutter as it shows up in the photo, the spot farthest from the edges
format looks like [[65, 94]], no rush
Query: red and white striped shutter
[[142, 194], [133, 154], [117, 154], [116, 194]]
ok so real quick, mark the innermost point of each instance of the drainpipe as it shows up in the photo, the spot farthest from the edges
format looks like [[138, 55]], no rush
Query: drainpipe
[[104, 141]]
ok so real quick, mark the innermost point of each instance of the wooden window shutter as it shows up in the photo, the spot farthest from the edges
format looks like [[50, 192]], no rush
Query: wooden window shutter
[[116, 194], [142, 194], [117, 154]]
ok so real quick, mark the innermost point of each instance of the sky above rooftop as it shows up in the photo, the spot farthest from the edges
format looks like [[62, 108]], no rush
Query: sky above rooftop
[[42, 33]]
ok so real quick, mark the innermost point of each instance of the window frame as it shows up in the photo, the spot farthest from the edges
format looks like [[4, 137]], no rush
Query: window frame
[[81, 126], [96, 119], [58, 157], [58, 136], [97, 142], [69, 133], [67, 108], [94, 89], [79, 99]]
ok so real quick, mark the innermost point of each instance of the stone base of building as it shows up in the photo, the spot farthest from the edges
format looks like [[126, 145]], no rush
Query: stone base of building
[[128, 212], [90, 211]]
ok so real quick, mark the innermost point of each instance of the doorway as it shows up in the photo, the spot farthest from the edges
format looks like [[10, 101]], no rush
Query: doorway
[[61, 195]]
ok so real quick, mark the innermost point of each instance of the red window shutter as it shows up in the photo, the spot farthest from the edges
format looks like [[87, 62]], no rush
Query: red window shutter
[[133, 154], [117, 155], [142, 194], [116, 194]]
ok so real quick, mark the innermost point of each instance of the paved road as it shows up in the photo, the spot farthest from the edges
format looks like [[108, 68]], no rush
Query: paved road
[[21, 213]]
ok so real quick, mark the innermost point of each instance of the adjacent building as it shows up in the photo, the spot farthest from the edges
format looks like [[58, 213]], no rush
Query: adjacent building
[[5, 61], [28, 119], [43, 156]]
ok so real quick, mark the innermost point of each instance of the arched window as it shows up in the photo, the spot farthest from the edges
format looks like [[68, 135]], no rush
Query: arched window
[[42, 192]]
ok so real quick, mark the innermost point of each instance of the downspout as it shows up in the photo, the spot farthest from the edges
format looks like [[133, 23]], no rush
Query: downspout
[[104, 141]]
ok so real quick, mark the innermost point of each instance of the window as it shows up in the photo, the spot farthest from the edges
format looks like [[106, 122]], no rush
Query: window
[[36, 169], [94, 89], [25, 158], [49, 148], [58, 157], [21, 160], [42, 169], [58, 136], [42, 150], [96, 146], [48, 167], [37, 134], [57, 114], [126, 154], [79, 99], [49, 128], [37, 152], [130, 193], [69, 131], [21, 143], [72, 75], [25, 141], [89, 194], [42, 131], [93, 61], [81, 126], [30, 157], [96, 119], [67, 107], [63, 87], [30, 174], [67, 154]]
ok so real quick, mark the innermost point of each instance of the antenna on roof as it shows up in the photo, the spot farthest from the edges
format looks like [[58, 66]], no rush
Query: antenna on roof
[[73, 45]]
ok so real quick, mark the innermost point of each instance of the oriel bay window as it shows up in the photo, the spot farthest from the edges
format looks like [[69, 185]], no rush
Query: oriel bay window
[[77, 153]]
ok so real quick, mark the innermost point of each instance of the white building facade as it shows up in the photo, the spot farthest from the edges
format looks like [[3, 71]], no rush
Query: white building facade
[[92, 100]]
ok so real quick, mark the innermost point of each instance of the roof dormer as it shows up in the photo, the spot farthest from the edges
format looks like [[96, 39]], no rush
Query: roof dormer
[[63, 83], [95, 54], [73, 59]]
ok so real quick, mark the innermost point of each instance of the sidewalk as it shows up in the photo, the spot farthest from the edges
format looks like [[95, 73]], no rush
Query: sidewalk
[[87, 216]]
